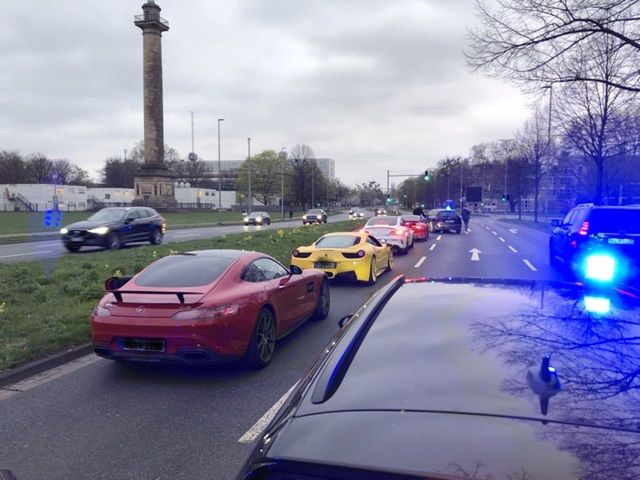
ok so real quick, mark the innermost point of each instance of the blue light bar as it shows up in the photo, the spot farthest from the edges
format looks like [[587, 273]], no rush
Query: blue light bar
[[599, 305], [600, 267]]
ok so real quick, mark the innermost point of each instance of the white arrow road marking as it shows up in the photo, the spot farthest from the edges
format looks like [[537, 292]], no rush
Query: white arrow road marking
[[432, 246], [254, 432], [530, 265], [512, 249], [475, 254], [420, 261], [513, 230], [23, 254], [439, 237], [501, 239]]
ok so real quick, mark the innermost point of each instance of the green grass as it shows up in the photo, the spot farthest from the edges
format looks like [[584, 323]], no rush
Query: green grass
[[45, 306], [32, 222]]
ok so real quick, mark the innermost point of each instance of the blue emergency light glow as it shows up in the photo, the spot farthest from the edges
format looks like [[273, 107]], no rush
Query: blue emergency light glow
[[599, 305], [600, 267]]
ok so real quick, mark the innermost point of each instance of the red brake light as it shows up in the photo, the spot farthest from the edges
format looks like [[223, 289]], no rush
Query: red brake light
[[584, 228]]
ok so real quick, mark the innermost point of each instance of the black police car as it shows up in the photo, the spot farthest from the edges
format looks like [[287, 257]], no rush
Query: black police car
[[519, 380], [113, 227], [608, 233], [443, 219]]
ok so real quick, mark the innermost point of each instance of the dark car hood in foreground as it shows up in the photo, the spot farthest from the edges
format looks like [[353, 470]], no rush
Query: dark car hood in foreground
[[439, 385], [88, 225]]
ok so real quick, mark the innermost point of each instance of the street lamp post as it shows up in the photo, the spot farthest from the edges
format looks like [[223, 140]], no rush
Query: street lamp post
[[546, 190], [283, 155], [250, 201], [313, 203], [219, 174]]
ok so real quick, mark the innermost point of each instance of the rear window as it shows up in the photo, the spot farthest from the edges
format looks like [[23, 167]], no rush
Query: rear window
[[411, 218], [614, 220], [385, 221], [446, 214], [183, 271], [338, 241]]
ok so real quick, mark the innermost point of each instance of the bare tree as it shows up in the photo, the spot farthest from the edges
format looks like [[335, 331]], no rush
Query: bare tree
[[39, 169], [539, 40], [534, 148], [12, 167]]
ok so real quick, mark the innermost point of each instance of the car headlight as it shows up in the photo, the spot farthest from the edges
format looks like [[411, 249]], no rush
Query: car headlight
[[600, 267], [246, 219], [304, 217], [598, 305], [99, 230], [64, 231], [259, 219]]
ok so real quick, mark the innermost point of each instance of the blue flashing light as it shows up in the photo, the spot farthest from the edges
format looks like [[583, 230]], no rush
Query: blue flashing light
[[600, 267], [52, 218], [448, 207], [599, 305]]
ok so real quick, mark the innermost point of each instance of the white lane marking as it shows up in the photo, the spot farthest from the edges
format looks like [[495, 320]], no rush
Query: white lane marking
[[530, 265], [512, 249], [23, 254], [254, 432], [439, 237], [420, 262], [494, 232], [501, 239], [432, 246], [487, 228], [513, 230], [475, 254], [44, 377]]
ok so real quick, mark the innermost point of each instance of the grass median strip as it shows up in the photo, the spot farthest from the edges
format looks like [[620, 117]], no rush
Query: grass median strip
[[45, 305]]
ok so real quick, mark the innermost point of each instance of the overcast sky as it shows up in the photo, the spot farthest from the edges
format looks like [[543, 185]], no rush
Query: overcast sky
[[375, 85]]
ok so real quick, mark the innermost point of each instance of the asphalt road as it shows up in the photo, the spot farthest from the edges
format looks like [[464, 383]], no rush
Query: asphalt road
[[53, 248], [95, 419]]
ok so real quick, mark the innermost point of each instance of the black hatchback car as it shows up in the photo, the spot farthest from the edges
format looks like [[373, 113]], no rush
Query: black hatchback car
[[588, 231], [113, 227], [441, 220], [519, 380]]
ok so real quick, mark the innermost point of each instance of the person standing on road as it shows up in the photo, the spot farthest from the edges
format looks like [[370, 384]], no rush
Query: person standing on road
[[290, 214], [466, 215]]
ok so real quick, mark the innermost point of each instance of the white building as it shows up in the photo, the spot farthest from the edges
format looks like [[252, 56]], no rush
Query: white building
[[42, 197]]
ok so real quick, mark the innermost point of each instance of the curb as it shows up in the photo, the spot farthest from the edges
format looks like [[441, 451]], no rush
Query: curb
[[38, 366]]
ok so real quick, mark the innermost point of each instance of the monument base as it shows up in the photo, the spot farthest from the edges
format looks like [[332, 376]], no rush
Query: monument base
[[154, 187]]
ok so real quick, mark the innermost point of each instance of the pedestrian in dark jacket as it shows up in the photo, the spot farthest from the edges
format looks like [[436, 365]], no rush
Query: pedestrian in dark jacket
[[466, 215]]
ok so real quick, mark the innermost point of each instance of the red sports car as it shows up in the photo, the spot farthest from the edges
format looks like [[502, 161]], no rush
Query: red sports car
[[420, 231], [207, 306]]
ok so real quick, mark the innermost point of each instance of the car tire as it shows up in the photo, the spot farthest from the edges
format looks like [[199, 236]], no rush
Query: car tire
[[458, 231], [156, 237], [390, 261], [73, 249], [114, 242], [268, 222], [324, 302], [263, 340], [373, 272]]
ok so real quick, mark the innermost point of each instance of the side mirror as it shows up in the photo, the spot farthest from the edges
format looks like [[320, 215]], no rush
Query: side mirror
[[114, 283], [128, 220], [295, 270], [343, 321], [555, 222]]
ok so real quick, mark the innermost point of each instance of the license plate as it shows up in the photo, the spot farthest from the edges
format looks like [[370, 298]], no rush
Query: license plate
[[324, 265], [143, 345], [449, 221], [77, 239], [621, 241]]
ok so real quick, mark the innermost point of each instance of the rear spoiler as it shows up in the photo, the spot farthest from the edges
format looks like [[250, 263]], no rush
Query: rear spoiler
[[113, 284], [180, 295]]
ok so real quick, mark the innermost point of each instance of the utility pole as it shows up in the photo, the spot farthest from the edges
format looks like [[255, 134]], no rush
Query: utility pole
[[219, 175], [283, 157], [249, 160], [192, 142]]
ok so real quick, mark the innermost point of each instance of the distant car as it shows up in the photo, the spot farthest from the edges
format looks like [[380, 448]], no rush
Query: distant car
[[207, 306], [415, 223], [356, 213], [606, 235], [444, 220], [257, 218], [391, 231], [113, 227], [346, 255], [315, 215], [494, 380], [380, 211]]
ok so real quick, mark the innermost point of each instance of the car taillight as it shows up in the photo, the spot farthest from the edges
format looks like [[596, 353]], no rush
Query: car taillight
[[420, 226], [296, 253], [207, 313], [101, 312], [363, 231], [358, 254], [399, 231], [584, 228]]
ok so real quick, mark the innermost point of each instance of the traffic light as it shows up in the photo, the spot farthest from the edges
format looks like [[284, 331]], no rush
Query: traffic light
[[388, 199], [504, 197], [426, 176]]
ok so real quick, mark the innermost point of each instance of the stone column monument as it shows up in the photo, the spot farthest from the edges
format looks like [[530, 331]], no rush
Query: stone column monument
[[153, 181]]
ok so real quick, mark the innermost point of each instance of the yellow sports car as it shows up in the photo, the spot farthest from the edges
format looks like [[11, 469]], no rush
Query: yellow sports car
[[348, 255]]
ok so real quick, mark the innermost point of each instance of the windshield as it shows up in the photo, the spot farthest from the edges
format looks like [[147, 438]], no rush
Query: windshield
[[108, 215], [338, 241], [183, 271]]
